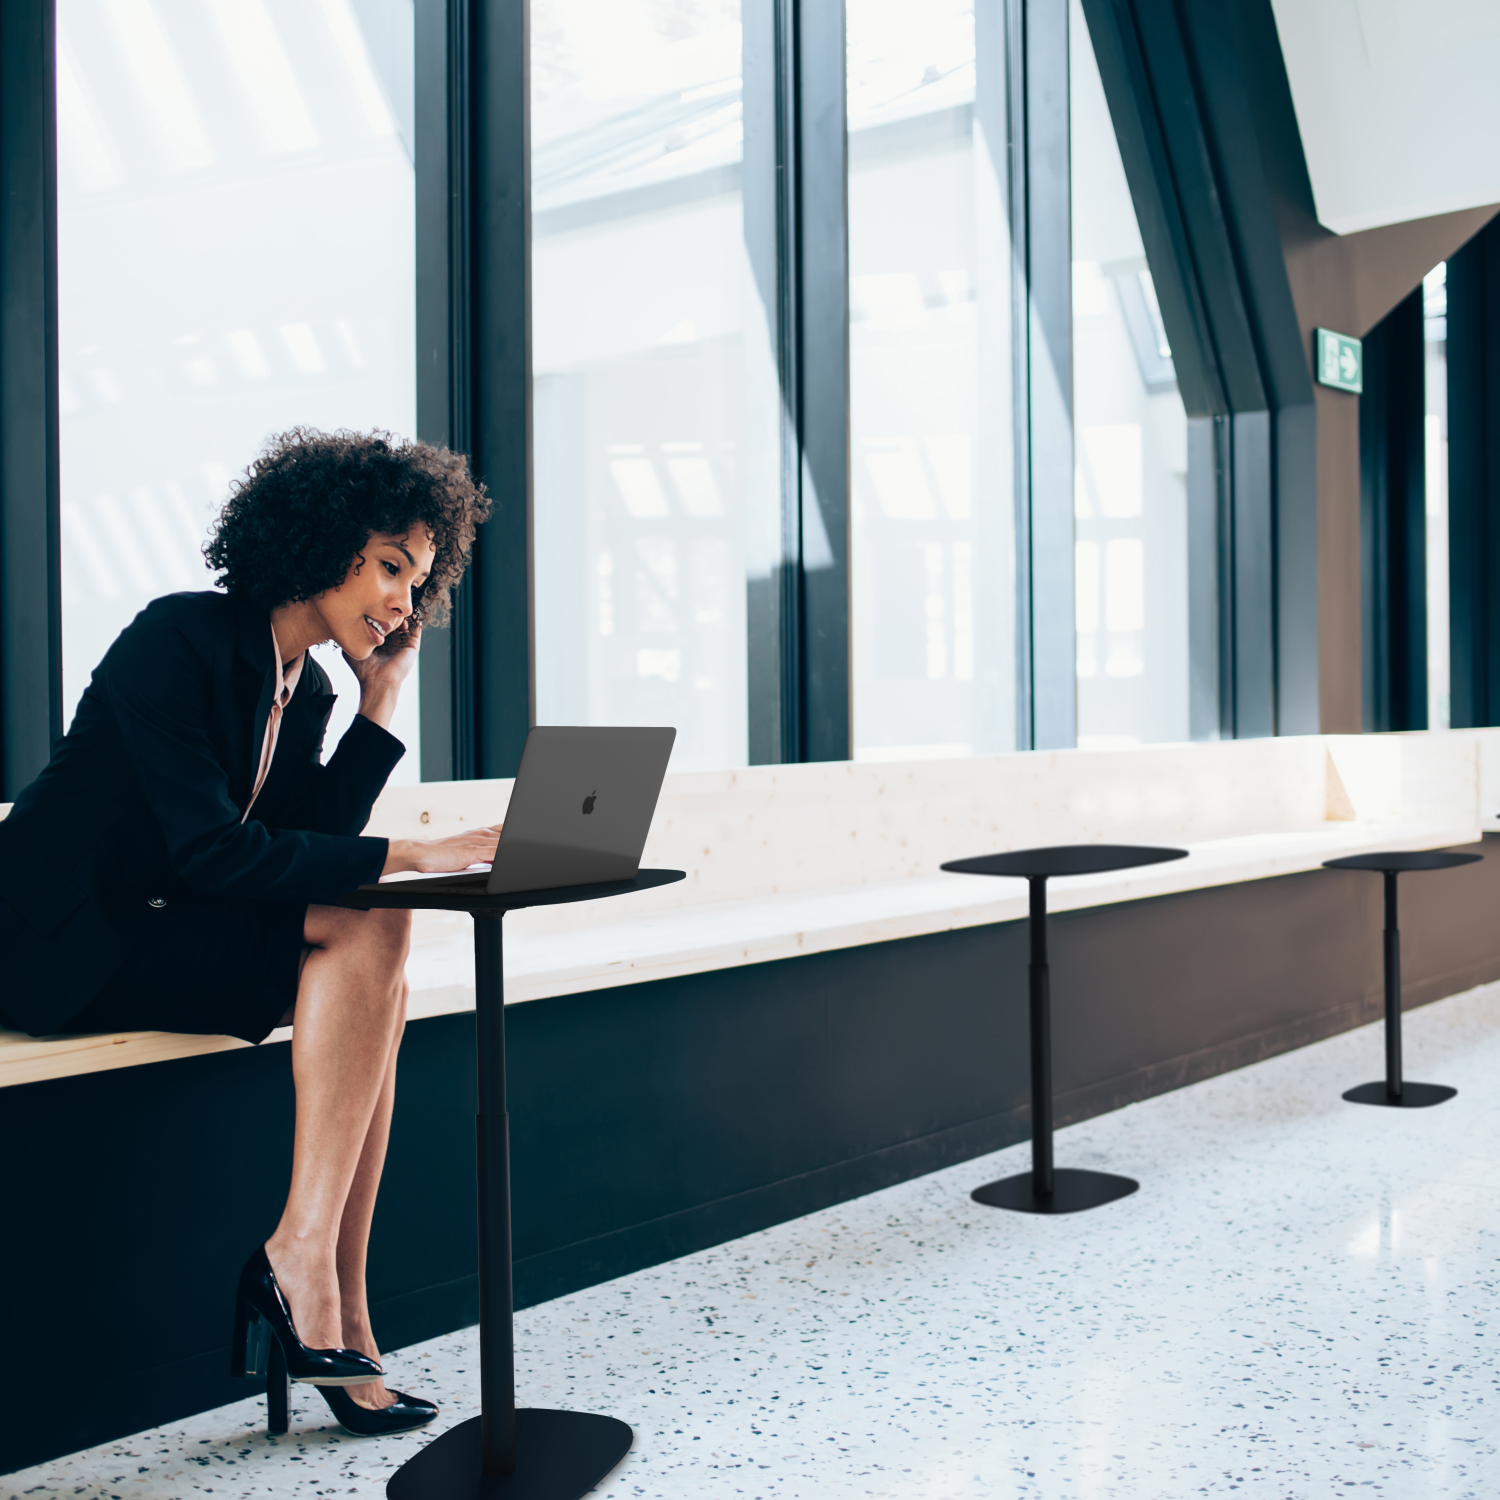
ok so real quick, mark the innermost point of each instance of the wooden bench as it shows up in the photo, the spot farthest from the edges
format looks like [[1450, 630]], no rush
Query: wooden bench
[[790, 860]]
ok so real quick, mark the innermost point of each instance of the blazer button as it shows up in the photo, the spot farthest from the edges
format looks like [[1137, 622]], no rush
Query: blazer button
[[157, 901]]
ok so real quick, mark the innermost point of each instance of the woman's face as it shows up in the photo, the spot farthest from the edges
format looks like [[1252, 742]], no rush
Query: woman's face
[[374, 600]]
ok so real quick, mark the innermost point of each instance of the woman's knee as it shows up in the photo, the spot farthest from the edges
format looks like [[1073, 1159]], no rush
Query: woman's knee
[[329, 925], [384, 936], [392, 930], [386, 942]]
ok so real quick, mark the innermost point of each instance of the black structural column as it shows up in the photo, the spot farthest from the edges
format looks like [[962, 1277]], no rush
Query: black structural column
[[1042, 371], [473, 183], [1393, 520], [1208, 139], [1393, 1089], [30, 582], [822, 261], [1045, 1189], [1474, 479], [768, 194], [795, 196], [504, 1454]]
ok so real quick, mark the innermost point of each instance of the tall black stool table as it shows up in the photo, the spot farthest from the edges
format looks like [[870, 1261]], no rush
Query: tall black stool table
[[504, 1454], [1394, 1090], [1046, 1189]]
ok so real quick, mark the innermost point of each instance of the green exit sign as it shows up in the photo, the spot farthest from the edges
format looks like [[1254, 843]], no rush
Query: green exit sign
[[1341, 361]]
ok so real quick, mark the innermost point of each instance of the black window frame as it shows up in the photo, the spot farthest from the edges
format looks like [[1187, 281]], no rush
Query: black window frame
[[30, 552], [1191, 92]]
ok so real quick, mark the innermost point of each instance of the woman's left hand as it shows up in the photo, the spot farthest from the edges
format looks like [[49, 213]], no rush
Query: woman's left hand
[[382, 672]]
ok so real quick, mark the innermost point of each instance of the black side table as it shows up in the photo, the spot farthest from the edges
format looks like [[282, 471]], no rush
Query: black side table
[[504, 1454], [1395, 1091], [1047, 1189]]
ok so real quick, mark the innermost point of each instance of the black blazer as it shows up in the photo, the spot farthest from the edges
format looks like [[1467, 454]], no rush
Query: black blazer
[[144, 795]]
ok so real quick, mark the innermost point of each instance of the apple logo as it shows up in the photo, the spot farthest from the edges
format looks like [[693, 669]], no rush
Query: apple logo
[[588, 802]]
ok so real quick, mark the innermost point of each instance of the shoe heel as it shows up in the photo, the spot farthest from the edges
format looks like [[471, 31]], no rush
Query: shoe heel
[[278, 1392], [258, 1345], [239, 1339], [249, 1347]]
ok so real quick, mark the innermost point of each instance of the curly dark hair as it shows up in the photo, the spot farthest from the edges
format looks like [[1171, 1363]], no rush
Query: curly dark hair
[[309, 503]]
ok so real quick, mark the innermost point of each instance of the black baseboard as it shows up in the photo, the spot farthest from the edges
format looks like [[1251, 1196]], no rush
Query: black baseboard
[[410, 1317], [569, 1268]]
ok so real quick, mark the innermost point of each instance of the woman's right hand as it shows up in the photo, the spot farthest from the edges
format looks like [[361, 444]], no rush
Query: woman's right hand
[[442, 856]]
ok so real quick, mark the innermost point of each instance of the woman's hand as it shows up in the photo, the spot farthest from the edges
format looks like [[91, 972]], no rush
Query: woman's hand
[[382, 672], [442, 856]]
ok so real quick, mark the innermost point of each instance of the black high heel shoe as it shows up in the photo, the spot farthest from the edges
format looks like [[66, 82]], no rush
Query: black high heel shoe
[[262, 1320], [406, 1414]]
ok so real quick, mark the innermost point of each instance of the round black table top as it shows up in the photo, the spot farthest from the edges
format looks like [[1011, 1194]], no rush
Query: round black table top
[[1065, 859], [1400, 860], [410, 895]]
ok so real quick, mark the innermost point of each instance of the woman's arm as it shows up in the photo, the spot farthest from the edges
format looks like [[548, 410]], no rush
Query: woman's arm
[[381, 676], [337, 796], [438, 856], [160, 690]]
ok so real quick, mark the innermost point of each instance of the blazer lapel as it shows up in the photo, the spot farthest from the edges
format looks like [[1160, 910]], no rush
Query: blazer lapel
[[256, 666], [305, 719], [302, 726]]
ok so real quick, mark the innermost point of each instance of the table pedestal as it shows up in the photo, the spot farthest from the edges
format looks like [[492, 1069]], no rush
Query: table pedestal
[[557, 1453], [1047, 1189], [1393, 1091], [503, 1454]]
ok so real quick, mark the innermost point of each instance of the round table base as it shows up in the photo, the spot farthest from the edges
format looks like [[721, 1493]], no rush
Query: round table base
[[1413, 1095], [560, 1455], [1073, 1191]]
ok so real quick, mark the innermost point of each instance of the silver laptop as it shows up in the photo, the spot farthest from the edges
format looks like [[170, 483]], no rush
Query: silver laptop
[[579, 812]]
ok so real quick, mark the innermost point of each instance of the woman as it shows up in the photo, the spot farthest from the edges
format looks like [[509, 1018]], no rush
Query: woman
[[175, 866]]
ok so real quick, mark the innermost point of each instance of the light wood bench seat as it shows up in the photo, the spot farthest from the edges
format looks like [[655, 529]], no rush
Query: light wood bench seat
[[791, 860]]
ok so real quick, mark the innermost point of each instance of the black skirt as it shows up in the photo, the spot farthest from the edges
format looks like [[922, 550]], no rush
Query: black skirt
[[208, 966]]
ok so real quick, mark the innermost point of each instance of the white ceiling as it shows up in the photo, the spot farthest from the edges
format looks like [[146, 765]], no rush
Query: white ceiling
[[1398, 102]]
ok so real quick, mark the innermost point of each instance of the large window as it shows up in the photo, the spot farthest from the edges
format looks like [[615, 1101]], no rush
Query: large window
[[933, 528], [657, 450], [235, 257], [236, 227], [1130, 451]]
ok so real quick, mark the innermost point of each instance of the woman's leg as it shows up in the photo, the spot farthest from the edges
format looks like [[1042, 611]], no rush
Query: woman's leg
[[350, 1007], [354, 1230]]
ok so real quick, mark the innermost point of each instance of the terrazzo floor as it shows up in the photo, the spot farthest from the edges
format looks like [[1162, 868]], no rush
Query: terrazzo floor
[[1300, 1302]]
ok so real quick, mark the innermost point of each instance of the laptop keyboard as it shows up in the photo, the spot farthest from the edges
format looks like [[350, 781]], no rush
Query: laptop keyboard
[[458, 883]]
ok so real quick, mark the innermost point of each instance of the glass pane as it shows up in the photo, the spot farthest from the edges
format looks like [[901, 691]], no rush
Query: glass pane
[[1130, 451], [235, 257], [656, 405], [1435, 313], [933, 531]]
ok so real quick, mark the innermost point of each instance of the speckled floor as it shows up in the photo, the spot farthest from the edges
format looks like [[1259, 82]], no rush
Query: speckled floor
[[1298, 1303]]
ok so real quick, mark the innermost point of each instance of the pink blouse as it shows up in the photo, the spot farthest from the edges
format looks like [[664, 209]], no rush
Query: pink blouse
[[286, 684]]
